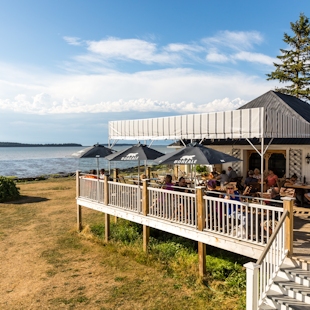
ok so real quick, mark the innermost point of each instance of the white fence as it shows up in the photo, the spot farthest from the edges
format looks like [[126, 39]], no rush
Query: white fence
[[238, 220]]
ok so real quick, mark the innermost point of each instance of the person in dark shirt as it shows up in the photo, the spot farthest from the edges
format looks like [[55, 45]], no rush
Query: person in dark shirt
[[232, 174], [181, 186], [250, 179]]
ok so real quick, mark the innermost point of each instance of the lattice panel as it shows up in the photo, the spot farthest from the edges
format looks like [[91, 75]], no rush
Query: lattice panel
[[295, 162], [237, 164]]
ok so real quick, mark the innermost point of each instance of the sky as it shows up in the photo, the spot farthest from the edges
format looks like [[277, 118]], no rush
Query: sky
[[68, 67]]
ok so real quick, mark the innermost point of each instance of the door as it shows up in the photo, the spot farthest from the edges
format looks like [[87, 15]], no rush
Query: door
[[274, 160]]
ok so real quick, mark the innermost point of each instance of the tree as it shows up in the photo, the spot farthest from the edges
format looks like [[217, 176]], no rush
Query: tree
[[295, 62]]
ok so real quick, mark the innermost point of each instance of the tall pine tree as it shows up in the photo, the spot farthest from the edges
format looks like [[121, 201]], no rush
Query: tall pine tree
[[294, 69]]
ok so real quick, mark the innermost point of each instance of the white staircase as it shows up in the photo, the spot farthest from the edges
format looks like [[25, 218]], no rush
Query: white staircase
[[291, 288]]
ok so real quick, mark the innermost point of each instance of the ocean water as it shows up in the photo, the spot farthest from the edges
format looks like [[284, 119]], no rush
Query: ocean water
[[37, 161]]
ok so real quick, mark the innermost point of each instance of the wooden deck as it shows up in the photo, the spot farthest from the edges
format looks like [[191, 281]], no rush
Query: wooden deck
[[301, 241]]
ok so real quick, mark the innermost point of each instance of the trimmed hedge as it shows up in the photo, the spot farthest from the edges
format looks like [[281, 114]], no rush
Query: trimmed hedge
[[8, 189]]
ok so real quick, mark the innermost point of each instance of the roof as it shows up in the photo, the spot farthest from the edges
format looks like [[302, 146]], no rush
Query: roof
[[277, 100]]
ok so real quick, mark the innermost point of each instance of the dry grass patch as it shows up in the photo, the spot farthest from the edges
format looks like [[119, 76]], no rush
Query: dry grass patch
[[46, 264]]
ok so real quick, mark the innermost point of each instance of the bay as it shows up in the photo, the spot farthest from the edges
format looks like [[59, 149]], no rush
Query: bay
[[25, 162]]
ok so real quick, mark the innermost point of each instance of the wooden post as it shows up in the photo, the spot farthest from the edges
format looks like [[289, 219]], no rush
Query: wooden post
[[201, 217], [78, 207], [145, 211], [148, 172], [176, 172], [106, 202], [288, 204], [115, 174]]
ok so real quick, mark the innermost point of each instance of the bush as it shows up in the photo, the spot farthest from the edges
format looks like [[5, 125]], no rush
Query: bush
[[202, 169], [8, 190]]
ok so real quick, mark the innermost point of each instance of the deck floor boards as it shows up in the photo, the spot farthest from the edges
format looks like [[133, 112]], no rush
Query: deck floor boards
[[301, 242]]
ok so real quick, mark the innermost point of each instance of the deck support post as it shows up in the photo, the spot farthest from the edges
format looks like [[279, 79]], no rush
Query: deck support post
[[145, 211], [251, 285], [288, 204], [78, 207], [201, 217], [106, 202]]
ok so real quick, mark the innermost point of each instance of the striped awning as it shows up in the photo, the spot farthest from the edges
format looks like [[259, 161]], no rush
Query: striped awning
[[236, 124]]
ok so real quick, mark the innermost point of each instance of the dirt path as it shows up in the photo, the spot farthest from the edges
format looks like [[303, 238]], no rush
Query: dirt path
[[45, 264]]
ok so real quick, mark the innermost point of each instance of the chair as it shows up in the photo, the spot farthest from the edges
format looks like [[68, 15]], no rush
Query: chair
[[287, 192], [255, 187], [121, 179]]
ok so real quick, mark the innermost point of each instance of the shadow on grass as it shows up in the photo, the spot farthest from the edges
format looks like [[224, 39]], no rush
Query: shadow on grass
[[26, 199]]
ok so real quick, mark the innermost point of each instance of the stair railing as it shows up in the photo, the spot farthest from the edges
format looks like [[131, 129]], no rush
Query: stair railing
[[260, 275]]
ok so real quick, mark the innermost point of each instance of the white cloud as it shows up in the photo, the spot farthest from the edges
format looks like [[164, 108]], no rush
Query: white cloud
[[238, 40], [220, 48], [214, 56], [254, 57], [73, 40], [92, 85], [169, 90], [131, 49]]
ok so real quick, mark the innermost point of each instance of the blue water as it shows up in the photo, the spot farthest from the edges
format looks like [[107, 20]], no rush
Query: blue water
[[38, 161]]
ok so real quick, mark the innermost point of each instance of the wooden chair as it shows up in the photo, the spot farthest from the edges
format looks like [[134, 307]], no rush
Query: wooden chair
[[121, 179], [287, 192]]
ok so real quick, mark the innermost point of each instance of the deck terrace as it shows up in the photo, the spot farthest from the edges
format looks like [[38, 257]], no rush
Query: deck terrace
[[234, 226]]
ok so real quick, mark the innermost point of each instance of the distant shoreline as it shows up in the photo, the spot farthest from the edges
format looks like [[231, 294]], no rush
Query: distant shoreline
[[14, 144]]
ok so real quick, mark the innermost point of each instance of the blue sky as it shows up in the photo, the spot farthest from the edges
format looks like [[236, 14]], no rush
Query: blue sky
[[68, 67]]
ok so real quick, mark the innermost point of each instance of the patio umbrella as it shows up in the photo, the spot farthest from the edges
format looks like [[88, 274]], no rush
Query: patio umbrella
[[95, 151], [135, 153], [195, 154]]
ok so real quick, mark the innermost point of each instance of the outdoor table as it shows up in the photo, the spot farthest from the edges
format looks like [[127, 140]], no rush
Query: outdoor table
[[302, 187]]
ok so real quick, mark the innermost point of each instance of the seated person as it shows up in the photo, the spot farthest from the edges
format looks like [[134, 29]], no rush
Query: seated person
[[214, 172], [257, 174], [168, 182], [101, 174], [271, 179], [307, 196], [232, 175], [292, 180], [233, 210], [211, 186], [250, 179], [222, 178], [275, 195], [92, 174], [181, 185]]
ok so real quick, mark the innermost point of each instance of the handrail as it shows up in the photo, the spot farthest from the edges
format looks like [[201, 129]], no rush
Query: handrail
[[272, 238]]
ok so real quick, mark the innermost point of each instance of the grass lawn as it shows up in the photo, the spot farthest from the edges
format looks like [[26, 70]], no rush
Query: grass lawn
[[47, 264]]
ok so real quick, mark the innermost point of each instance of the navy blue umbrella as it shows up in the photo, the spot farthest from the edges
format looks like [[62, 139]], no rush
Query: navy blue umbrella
[[195, 154]]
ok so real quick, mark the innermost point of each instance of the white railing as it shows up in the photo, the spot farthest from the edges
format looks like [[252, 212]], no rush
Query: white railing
[[240, 220], [260, 276], [91, 188], [173, 206], [125, 196]]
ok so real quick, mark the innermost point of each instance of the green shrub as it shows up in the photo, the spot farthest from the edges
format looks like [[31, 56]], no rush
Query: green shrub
[[202, 169], [8, 189]]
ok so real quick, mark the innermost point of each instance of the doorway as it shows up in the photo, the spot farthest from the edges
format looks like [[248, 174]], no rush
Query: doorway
[[275, 160]]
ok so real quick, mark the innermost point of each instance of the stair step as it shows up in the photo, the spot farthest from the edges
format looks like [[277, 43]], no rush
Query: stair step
[[299, 291], [296, 271], [289, 302]]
